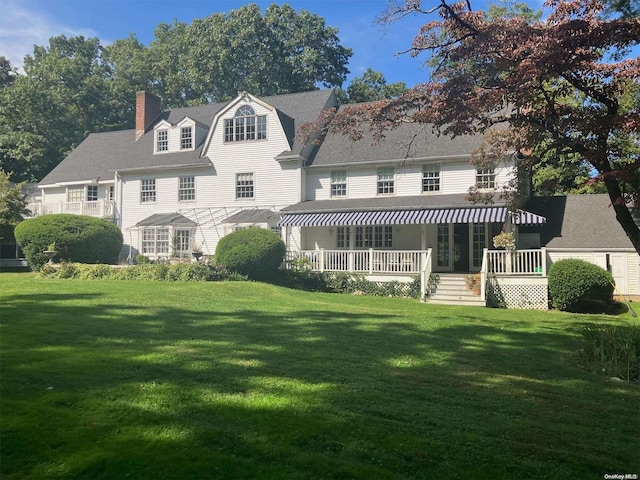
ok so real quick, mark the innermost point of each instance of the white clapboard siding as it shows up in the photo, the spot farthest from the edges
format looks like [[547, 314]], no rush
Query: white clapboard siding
[[455, 178]]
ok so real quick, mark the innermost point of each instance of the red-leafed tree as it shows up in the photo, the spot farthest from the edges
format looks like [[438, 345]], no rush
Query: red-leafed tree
[[563, 86]]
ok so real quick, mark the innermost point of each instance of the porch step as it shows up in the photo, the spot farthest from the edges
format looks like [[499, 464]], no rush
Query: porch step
[[452, 289]]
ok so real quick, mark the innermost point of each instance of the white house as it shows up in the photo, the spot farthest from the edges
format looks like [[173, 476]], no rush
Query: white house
[[390, 210]]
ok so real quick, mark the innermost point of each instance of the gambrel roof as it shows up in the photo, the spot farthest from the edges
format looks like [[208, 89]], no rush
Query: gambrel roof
[[100, 155]]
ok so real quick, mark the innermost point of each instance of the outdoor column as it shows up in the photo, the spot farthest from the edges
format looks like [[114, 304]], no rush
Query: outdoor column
[[352, 244]]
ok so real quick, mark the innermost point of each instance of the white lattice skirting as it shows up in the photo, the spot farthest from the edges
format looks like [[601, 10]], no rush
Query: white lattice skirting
[[523, 292]]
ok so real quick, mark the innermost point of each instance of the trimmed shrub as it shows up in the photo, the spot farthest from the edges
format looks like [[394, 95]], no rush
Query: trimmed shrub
[[255, 252], [78, 238], [579, 286]]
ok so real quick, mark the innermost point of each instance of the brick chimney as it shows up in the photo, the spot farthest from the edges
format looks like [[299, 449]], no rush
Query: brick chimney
[[148, 107]]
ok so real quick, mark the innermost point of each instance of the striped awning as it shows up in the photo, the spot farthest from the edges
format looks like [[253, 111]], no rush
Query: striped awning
[[407, 217]]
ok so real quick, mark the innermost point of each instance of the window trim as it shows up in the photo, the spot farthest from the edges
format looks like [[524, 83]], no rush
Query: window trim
[[164, 143], [486, 178], [334, 183], [430, 168], [186, 189], [152, 192], [92, 188], [245, 126], [382, 184], [183, 130], [252, 186]]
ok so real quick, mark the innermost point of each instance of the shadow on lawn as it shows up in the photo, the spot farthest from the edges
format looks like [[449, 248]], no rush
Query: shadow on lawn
[[175, 393]]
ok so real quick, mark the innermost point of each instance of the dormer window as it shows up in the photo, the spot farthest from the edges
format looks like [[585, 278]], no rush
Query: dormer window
[[186, 138], [162, 144], [246, 125]]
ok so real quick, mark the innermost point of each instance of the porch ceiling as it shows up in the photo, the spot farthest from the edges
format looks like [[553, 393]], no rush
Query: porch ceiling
[[406, 217]]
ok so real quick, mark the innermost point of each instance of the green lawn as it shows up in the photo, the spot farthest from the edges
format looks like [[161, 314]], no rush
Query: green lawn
[[150, 380]]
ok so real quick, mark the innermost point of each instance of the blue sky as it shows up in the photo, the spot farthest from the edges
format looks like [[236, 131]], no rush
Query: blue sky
[[24, 23]]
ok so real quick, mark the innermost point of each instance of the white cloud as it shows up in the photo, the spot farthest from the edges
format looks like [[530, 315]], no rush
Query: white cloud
[[21, 29]]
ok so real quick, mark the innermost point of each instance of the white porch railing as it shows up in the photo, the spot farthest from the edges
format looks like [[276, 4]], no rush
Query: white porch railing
[[97, 208], [362, 261], [517, 262]]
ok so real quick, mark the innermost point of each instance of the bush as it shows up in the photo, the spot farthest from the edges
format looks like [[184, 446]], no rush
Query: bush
[[180, 272], [78, 238], [614, 350], [579, 286], [255, 252]]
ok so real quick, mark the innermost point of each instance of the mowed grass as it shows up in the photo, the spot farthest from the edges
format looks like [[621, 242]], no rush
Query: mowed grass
[[150, 380]]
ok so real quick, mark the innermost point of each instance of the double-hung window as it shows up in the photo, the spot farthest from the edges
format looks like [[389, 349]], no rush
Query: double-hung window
[[244, 185], [245, 125], [186, 189], [386, 180], [148, 191], [162, 142], [92, 193], [186, 138], [339, 183], [486, 177], [430, 177]]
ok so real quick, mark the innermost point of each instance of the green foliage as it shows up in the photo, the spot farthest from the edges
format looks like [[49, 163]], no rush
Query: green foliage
[[255, 252], [74, 85], [371, 86], [350, 283], [12, 204], [579, 286], [163, 272], [614, 350], [77, 238]]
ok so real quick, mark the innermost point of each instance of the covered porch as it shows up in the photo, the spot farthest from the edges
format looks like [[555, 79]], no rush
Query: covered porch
[[397, 234]]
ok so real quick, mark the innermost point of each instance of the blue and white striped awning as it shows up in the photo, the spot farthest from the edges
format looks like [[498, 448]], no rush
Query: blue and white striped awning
[[407, 217]]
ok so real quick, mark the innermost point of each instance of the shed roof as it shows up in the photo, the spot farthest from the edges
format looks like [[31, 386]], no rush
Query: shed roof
[[578, 221]]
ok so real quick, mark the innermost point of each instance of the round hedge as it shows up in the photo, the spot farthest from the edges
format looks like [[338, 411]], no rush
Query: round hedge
[[78, 238], [254, 252], [576, 285]]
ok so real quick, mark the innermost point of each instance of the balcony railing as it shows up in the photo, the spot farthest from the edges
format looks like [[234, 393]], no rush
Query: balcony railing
[[361, 261], [97, 208], [516, 262]]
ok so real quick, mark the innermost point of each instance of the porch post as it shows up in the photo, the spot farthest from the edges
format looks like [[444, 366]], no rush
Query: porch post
[[321, 260], [543, 253], [370, 260], [352, 244]]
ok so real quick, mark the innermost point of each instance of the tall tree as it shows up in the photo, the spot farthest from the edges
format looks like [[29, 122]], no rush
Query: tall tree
[[13, 207], [52, 107], [557, 84], [369, 87], [282, 51]]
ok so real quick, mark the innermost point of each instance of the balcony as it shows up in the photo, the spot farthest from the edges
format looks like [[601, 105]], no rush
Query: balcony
[[97, 208]]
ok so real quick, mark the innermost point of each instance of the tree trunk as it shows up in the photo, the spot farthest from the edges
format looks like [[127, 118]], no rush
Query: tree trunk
[[623, 214]]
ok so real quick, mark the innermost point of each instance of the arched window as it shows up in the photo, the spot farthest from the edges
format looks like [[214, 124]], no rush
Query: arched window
[[245, 125]]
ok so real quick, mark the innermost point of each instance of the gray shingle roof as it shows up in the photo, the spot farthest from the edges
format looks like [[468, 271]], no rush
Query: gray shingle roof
[[405, 142], [256, 215], [100, 154], [165, 220], [578, 221], [382, 203]]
